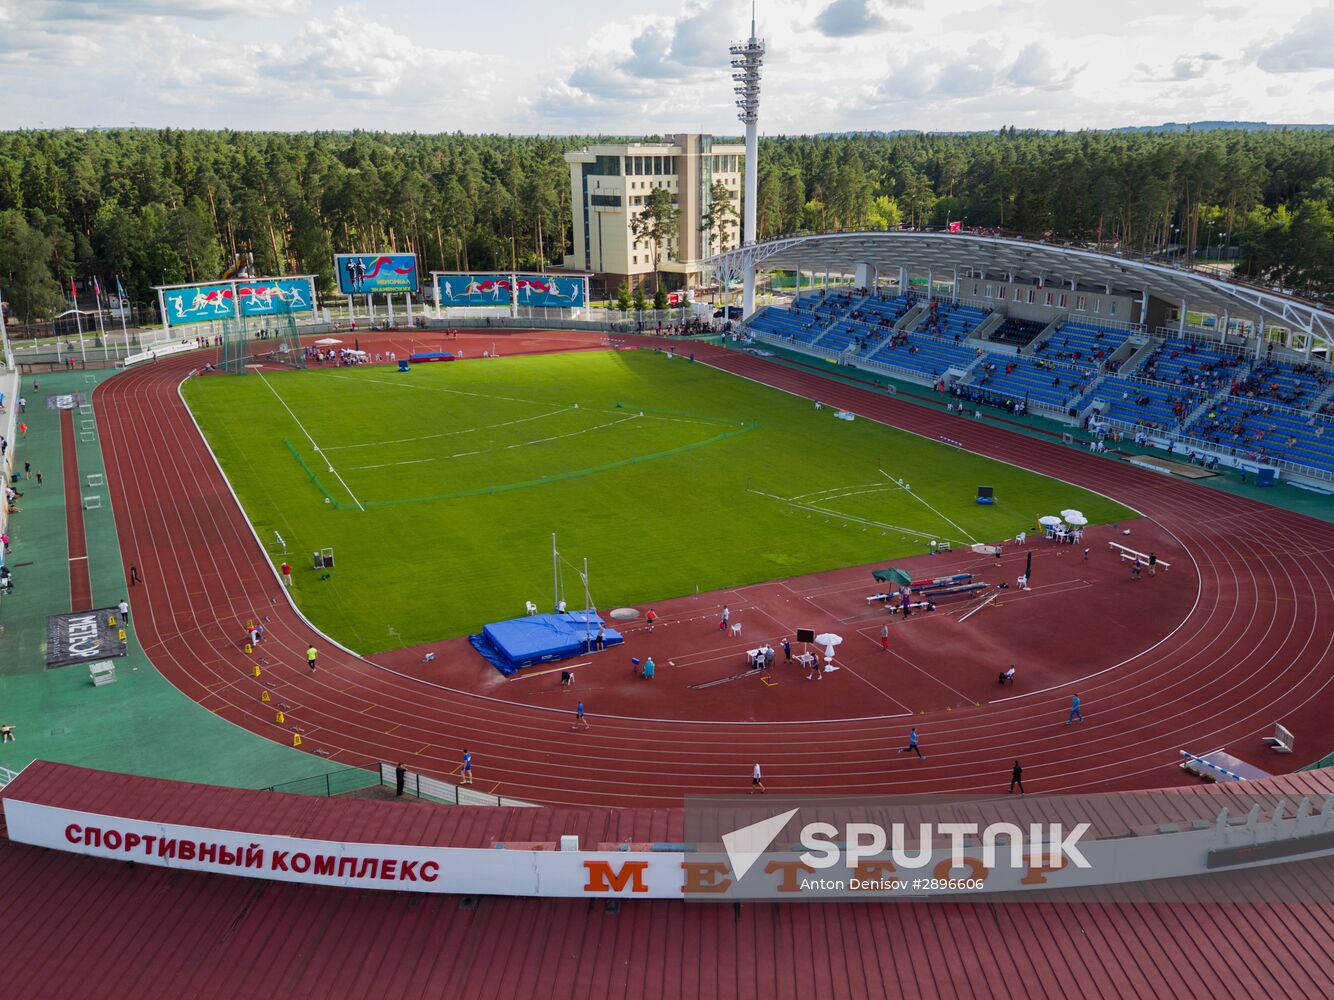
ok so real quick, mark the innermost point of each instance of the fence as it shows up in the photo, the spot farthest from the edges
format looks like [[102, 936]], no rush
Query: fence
[[420, 786], [348, 779], [6, 776]]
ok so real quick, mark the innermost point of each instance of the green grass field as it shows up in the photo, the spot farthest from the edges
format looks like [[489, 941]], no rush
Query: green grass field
[[439, 489]]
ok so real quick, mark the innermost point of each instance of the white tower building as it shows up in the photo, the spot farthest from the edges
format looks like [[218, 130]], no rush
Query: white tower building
[[747, 59]]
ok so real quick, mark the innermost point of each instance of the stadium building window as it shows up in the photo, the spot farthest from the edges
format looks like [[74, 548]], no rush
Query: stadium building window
[[1081, 303], [1063, 300]]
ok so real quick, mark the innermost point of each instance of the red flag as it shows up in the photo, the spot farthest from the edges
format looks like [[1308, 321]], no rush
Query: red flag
[[955, 226], [73, 292], [97, 289]]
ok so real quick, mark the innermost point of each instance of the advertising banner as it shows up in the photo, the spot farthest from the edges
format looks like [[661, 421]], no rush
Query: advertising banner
[[266, 296], [551, 291], [376, 274], [459, 290], [83, 637], [199, 303], [795, 848]]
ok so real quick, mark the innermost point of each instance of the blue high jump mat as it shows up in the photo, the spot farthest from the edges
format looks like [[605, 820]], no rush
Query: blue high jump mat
[[523, 642]]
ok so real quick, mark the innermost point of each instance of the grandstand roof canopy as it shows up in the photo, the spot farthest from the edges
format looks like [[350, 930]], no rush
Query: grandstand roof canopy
[[1028, 260]]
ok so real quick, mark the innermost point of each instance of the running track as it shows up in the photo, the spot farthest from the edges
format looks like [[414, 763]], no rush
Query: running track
[[1257, 647]]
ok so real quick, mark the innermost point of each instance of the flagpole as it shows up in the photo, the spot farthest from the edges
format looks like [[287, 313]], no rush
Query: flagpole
[[101, 330], [78, 322], [121, 301]]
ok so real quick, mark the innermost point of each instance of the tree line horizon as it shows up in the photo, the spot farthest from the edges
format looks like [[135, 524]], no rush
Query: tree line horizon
[[174, 206]]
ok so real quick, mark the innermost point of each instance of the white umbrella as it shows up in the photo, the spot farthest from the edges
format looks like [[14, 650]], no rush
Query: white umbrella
[[1077, 520], [828, 639], [1049, 521], [327, 342], [1072, 513]]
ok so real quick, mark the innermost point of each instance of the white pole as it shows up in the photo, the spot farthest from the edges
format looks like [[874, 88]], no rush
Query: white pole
[[407, 299], [101, 329], [123, 331], [351, 314], [389, 304], [78, 322], [555, 576], [9, 360]]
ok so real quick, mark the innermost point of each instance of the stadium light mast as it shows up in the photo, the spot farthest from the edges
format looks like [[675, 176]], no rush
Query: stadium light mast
[[747, 59]]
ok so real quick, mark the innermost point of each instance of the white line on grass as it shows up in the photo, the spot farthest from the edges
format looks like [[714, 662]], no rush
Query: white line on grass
[[927, 505], [508, 447], [849, 517], [311, 440], [444, 434]]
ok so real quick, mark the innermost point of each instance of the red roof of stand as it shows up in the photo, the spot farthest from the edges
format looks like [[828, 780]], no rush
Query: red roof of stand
[[83, 926]]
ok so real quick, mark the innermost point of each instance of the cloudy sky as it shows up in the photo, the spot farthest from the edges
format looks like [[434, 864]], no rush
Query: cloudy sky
[[661, 65]]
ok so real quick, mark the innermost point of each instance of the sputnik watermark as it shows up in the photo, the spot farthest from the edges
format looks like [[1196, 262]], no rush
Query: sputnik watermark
[[1046, 844]]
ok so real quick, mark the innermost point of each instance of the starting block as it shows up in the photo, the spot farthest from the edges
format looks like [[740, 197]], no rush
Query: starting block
[[1282, 740]]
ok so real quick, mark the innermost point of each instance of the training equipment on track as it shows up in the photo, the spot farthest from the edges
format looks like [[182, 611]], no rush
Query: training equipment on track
[[1282, 740], [1219, 765]]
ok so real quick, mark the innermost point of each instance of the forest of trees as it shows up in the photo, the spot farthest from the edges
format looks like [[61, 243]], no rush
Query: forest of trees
[[173, 206]]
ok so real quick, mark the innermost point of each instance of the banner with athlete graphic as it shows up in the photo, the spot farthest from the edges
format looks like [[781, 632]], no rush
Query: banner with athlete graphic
[[376, 273], [267, 296], [199, 303], [460, 290]]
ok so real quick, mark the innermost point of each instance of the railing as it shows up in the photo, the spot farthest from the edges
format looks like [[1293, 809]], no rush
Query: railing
[[429, 789], [348, 779], [6, 776]]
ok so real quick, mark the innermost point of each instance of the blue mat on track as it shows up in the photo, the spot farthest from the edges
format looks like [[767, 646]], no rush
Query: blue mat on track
[[522, 642]]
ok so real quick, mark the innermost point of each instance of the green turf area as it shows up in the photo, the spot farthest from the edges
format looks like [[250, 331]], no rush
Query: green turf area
[[447, 483]]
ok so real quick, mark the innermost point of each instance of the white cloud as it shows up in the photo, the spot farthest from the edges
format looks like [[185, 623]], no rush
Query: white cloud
[[1309, 45], [127, 10], [1182, 68], [852, 18]]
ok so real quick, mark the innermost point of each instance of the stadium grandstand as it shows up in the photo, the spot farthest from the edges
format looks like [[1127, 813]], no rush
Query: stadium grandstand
[[1184, 361]]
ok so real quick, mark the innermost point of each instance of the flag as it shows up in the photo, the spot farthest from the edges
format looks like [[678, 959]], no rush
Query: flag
[[120, 289], [955, 226], [97, 290], [73, 292]]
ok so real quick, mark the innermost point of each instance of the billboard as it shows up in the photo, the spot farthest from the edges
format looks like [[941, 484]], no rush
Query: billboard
[[266, 296], [460, 290], [549, 290], [198, 303], [473, 289], [376, 274]]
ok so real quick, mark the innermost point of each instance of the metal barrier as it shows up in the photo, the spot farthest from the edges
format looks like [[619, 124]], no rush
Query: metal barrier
[[348, 779], [420, 786], [6, 776]]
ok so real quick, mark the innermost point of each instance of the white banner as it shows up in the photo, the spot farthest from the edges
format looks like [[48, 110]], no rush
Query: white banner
[[464, 871]]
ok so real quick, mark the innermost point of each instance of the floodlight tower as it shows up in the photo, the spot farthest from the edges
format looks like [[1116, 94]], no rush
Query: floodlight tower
[[747, 59]]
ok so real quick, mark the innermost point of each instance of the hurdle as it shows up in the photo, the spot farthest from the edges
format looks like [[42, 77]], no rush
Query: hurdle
[[92, 502], [1282, 740], [1127, 552]]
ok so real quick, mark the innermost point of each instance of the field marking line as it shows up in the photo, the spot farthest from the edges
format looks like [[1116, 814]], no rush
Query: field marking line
[[844, 490], [851, 517], [508, 447], [927, 505], [311, 440], [443, 434]]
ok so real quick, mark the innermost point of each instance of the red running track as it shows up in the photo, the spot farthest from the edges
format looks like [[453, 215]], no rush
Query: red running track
[[1257, 647], [80, 584]]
